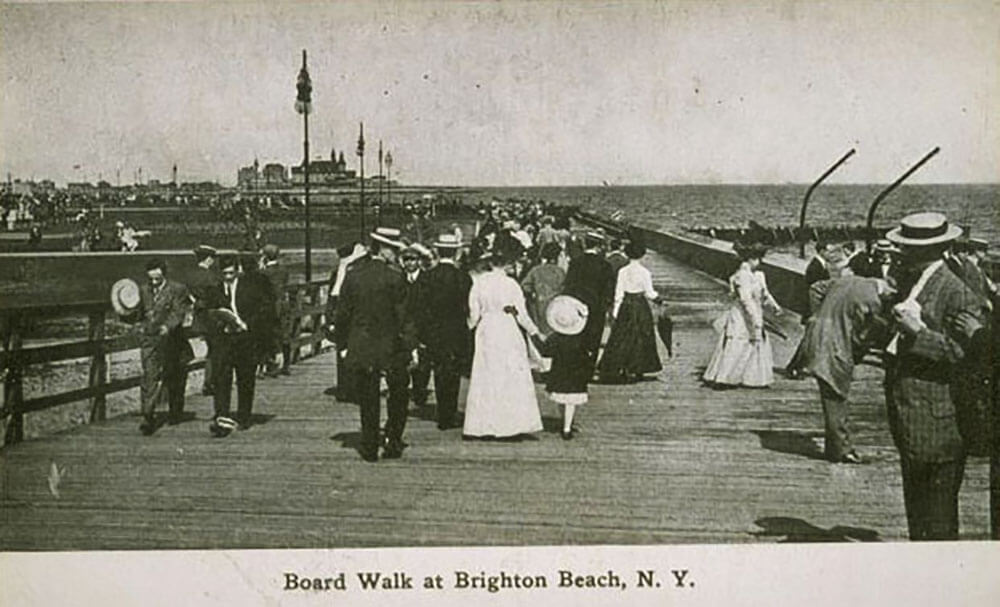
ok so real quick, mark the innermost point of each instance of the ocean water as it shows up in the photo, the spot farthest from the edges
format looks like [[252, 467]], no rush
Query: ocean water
[[679, 207]]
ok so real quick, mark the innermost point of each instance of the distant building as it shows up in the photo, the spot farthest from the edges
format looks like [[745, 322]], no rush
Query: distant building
[[326, 172], [274, 175], [248, 177]]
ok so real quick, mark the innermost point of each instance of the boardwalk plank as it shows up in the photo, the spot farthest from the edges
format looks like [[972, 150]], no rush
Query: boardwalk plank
[[663, 461]]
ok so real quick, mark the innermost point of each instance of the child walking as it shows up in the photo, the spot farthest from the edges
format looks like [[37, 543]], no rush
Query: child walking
[[567, 380]]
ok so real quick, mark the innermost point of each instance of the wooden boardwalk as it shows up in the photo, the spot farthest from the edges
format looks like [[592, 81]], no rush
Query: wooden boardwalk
[[664, 461]]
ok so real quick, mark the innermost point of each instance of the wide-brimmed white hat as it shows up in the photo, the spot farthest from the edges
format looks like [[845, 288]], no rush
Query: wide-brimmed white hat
[[923, 229], [566, 315], [125, 296], [389, 236]]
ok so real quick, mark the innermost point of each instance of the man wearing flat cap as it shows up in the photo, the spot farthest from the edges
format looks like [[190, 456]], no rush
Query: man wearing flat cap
[[922, 359], [375, 336]]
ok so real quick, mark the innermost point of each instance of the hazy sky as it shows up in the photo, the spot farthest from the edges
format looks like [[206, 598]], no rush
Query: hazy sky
[[507, 93]]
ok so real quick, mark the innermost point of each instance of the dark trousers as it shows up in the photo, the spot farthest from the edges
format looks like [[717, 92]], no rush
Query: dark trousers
[[447, 378], [209, 381], [365, 388], [420, 376], [161, 379], [838, 436], [930, 491], [592, 333], [234, 352]]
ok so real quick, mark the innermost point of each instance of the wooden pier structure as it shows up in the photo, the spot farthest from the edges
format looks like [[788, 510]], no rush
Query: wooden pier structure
[[658, 462]]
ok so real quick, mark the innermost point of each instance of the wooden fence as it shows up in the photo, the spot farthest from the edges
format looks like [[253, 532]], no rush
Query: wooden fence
[[308, 306]]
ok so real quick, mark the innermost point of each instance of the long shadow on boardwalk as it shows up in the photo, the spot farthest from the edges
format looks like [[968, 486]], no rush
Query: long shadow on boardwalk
[[792, 442], [797, 530]]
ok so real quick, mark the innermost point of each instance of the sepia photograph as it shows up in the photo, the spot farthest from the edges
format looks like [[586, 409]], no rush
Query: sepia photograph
[[528, 301]]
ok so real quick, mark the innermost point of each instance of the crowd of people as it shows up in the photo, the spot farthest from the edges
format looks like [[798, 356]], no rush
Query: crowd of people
[[921, 301], [521, 298]]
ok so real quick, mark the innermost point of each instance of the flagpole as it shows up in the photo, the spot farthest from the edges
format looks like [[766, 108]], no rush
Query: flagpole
[[361, 156]]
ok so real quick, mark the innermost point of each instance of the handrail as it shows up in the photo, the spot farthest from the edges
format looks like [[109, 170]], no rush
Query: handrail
[[805, 201], [307, 311]]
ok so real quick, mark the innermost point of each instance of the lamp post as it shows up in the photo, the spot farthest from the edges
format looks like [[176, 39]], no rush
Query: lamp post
[[388, 179], [361, 161], [303, 105]]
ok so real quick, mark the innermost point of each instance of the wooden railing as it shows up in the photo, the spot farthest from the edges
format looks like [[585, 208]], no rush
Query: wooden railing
[[307, 309]]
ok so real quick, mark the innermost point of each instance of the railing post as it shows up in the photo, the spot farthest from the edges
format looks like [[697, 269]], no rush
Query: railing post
[[98, 366], [13, 388], [296, 323], [314, 318]]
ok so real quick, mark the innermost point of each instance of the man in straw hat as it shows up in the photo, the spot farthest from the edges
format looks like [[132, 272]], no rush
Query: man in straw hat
[[442, 327], [164, 352], [921, 362], [376, 337]]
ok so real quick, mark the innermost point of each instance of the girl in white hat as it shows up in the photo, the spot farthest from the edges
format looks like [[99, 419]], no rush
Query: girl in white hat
[[566, 381]]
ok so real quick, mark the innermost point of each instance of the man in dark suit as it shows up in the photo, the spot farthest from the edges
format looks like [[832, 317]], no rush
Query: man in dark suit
[[589, 278], [349, 257], [202, 284], [443, 329], [922, 360], [816, 270], [278, 277], [164, 352], [245, 332], [375, 336], [420, 374]]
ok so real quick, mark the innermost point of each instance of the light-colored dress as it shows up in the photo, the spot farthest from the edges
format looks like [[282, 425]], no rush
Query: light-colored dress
[[501, 400], [736, 360]]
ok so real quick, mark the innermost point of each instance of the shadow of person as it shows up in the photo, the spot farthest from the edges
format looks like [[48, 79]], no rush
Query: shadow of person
[[791, 441], [794, 530], [257, 419], [348, 440]]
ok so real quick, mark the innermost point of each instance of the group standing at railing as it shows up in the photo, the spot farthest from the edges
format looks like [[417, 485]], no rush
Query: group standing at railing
[[921, 299]]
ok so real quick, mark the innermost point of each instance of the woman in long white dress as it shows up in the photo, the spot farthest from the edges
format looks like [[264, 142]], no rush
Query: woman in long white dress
[[743, 356], [501, 401]]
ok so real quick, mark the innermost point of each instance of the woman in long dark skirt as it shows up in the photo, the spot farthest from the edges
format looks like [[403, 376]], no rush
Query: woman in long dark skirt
[[631, 349]]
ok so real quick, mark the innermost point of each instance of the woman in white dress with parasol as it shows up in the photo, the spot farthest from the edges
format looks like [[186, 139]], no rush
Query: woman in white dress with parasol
[[501, 401]]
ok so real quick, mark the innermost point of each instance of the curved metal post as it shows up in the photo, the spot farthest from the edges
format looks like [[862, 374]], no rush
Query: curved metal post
[[882, 195], [805, 200]]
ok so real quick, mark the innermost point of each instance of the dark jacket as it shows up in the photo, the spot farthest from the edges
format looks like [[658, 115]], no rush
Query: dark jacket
[[816, 271], [921, 378], [372, 323], [202, 283], [443, 311], [254, 304], [590, 279], [571, 368]]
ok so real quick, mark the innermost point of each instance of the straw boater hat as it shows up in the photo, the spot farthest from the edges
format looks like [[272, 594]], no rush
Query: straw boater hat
[[447, 241], [883, 245], [923, 229], [566, 315], [125, 296], [205, 250], [389, 236]]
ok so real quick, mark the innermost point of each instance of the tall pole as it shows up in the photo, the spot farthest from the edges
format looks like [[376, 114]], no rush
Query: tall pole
[[361, 161], [805, 201], [388, 184], [882, 195], [303, 105], [380, 173]]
